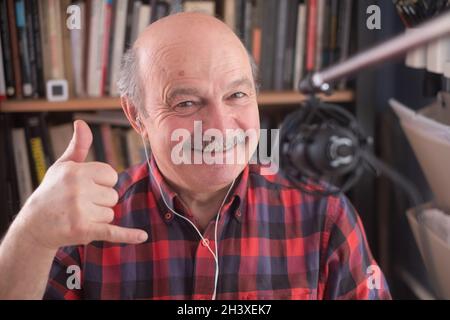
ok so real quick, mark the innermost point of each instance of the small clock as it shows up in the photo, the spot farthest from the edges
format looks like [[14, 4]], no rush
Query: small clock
[[57, 90]]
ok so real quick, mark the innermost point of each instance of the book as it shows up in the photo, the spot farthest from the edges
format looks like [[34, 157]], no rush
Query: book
[[129, 24], [280, 44], [334, 11], [77, 43], [14, 43], [22, 164], [2, 75], [38, 147], [116, 118], [60, 136], [26, 49], [207, 7], [344, 35], [8, 186], [135, 147], [311, 36], [105, 45], [300, 45], [55, 40], [94, 76], [108, 145], [134, 23], [268, 42], [7, 59], [37, 45], [159, 9], [320, 32], [291, 34], [118, 148], [257, 13], [176, 6], [118, 44], [229, 15], [67, 49], [97, 142], [143, 21]]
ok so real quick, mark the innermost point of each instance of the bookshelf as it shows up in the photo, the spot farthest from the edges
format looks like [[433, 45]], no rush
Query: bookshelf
[[272, 99], [287, 39]]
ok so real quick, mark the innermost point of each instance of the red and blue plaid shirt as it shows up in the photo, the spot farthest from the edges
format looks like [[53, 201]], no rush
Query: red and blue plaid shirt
[[275, 242]]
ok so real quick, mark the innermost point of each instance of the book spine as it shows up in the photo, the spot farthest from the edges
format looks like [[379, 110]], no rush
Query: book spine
[[38, 147], [106, 44], [268, 43], [77, 43], [55, 40], [311, 35], [300, 45], [11, 205], [87, 38], [6, 51], [95, 65], [2, 75], [24, 49], [320, 23], [129, 25], [229, 13], [36, 35], [14, 49], [257, 32], [25, 186], [31, 47], [4, 183], [108, 146], [118, 44], [345, 17], [67, 49], [45, 41], [249, 7], [280, 45], [97, 142], [289, 60], [334, 9]]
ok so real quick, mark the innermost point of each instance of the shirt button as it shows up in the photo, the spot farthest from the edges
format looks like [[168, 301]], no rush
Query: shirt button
[[205, 242], [168, 216]]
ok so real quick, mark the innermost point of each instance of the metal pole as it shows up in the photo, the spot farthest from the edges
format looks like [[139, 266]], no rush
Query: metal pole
[[421, 35]]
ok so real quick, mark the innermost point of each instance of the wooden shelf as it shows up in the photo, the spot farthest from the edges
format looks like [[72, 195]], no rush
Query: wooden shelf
[[110, 103]]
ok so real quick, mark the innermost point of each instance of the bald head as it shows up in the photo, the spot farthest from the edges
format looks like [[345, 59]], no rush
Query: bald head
[[159, 46], [184, 70], [199, 28]]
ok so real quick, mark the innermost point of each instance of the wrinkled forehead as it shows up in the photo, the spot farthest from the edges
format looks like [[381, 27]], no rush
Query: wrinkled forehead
[[208, 57]]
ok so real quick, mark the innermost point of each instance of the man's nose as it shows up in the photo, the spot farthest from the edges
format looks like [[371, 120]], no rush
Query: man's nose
[[219, 116]]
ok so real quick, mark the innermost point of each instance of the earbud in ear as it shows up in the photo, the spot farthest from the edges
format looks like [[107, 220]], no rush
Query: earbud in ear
[[138, 122]]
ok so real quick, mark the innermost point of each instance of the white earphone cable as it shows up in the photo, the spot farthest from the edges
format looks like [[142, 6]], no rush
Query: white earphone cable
[[204, 241]]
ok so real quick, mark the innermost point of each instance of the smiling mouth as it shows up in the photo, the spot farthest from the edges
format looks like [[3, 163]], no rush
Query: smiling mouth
[[218, 146]]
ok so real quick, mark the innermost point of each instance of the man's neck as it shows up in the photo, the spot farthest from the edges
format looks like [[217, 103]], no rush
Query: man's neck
[[203, 205]]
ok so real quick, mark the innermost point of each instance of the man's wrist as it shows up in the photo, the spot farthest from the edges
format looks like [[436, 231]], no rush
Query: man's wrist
[[20, 235]]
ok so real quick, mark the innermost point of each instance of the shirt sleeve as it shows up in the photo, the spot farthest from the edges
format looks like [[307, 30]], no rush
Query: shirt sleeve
[[65, 280], [348, 268]]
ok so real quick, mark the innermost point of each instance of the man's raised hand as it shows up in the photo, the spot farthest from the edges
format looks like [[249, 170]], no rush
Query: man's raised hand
[[73, 204]]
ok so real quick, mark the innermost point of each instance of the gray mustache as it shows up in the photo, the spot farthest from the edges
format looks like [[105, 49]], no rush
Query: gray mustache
[[217, 145]]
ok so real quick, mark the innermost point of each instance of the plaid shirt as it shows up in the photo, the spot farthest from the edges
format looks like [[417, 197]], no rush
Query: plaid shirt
[[275, 242]]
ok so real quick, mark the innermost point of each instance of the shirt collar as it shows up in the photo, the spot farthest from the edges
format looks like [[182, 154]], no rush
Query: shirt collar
[[236, 200]]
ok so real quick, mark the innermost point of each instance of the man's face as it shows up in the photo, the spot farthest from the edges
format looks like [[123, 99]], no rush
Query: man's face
[[199, 88]]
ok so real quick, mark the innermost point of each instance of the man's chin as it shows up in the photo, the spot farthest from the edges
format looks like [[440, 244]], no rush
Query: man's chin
[[210, 175]]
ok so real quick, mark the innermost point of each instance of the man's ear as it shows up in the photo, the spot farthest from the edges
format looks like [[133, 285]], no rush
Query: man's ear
[[131, 113]]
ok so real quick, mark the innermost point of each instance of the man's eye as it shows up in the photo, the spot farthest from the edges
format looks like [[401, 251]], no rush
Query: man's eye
[[186, 104], [238, 95]]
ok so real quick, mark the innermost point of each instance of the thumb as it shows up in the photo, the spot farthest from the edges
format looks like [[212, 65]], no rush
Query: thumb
[[78, 147]]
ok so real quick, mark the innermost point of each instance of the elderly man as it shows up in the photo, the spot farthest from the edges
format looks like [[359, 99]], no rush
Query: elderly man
[[166, 230]]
